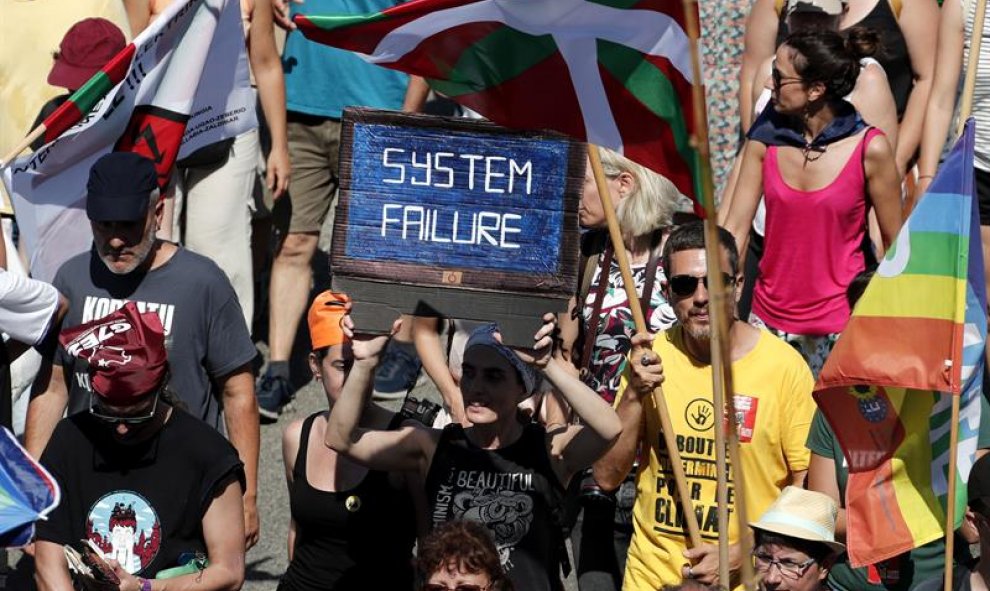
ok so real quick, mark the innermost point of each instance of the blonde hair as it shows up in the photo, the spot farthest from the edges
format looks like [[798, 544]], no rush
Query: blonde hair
[[650, 206]]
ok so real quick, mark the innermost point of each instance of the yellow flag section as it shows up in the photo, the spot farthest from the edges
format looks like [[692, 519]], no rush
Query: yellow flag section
[[774, 409]]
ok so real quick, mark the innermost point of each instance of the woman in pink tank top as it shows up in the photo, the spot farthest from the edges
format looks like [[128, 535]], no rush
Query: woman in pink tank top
[[820, 168]]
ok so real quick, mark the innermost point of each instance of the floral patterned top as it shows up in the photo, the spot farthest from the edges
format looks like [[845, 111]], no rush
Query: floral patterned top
[[616, 327]]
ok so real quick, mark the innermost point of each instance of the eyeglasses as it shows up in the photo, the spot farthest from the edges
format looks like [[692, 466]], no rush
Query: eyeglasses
[[788, 568], [685, 285], [461, 587], [780, 80], [126, 420]]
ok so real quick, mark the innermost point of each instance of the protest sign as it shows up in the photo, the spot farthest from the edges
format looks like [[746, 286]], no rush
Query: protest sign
[[472, 220]]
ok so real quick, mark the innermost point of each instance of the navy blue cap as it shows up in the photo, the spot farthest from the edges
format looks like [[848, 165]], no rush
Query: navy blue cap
[[119, 187]]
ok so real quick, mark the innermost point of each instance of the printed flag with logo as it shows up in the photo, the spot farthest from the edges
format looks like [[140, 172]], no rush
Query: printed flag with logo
[[916, 338], [614, 73], [180, 85]]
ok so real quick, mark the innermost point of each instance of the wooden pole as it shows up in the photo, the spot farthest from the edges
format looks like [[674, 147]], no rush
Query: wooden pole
[[950, 503], [24, 145], [966, 106], [618, 247], [721, 319]]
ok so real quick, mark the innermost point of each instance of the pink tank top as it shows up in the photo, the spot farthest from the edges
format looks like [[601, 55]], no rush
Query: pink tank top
[[813, 248]]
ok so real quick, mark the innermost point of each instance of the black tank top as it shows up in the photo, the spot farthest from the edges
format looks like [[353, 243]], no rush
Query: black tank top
[[513, 491], [893, 55], [357, 539]]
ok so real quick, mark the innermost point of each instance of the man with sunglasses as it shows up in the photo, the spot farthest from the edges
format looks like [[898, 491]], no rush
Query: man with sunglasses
[[152, 487], [773, 412]]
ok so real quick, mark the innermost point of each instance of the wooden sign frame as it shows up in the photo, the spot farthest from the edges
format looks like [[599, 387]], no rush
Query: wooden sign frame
[[511, 287]]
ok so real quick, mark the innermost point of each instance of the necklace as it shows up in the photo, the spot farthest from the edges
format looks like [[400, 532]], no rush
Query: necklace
[[808, 149]]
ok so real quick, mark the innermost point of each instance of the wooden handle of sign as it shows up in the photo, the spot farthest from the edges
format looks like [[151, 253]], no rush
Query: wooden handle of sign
[[969, 86], [950, 502], [618, 247], [36, 133]]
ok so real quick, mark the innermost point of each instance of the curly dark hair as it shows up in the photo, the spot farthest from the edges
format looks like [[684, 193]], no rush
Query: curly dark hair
[[466, 544]]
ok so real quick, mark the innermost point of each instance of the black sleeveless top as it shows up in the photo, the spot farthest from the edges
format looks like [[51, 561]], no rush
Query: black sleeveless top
[[513, 491], [893, 54], [356, 539]]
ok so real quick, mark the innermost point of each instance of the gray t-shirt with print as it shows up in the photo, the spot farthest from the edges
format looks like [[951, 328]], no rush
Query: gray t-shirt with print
[[205, 333]]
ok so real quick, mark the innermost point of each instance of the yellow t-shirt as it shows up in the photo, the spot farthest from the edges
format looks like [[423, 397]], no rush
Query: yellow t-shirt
[[774, 409]]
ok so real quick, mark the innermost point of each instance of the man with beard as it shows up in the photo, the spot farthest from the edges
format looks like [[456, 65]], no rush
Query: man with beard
[[209, 347], [773, 411]]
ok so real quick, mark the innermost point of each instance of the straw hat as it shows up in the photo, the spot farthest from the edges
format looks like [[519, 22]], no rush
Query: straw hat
[[802, 514]]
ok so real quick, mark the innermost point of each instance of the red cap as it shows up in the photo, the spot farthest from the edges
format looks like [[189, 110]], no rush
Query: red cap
[[125, 350], [84, 50]]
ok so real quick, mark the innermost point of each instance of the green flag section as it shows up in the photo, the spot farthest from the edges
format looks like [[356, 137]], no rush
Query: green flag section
[[83, 100], [915, 341], [616, 73]]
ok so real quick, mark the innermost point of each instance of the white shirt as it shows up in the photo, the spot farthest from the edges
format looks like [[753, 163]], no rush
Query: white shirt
[[27, 307]]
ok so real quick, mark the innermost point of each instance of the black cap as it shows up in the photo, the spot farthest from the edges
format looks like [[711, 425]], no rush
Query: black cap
[[978, 487], [119, 187]]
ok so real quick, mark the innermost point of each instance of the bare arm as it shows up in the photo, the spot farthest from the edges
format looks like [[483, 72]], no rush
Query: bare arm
[[416, 93], [821, 478], [49, 397], [430, 351], [883, 185], [51, 571], [612, 468], [224, 536], [919, 24], [267, 68], [290, 449], [874, 101], [746, 197], [138, 15], [408, 448], [942, 100], [241, 416], [759, 44]]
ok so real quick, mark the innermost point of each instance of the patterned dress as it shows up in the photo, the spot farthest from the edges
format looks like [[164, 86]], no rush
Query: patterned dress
[[616, 326]]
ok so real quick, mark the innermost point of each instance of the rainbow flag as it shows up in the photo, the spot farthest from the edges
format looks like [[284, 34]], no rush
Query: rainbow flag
[[616, 74], [916, 338], [27, 492]]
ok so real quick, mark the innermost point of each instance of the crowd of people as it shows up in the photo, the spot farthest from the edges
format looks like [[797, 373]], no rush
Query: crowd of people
[[445, 459]]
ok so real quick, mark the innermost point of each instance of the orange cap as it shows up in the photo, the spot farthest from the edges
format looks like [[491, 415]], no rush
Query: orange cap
[[324, 319]]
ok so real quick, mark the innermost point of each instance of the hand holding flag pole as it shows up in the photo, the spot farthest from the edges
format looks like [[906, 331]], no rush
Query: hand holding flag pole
[[670, 440]]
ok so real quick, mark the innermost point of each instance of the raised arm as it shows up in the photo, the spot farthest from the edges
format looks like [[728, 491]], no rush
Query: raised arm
[[942, 101], [408, 448], [919, 24], [611, 469]]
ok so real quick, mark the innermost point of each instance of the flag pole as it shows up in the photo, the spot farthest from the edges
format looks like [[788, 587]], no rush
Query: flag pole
[[950, 502], [721, 320], [966, 106], [670, 440], [24, 145]]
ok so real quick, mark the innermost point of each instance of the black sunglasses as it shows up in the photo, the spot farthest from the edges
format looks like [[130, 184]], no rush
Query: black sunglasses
[[779, 79], [685, 285]]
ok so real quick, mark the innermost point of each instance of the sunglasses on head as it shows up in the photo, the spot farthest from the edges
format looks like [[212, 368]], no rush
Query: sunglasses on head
[[685, 285], [461, 587]]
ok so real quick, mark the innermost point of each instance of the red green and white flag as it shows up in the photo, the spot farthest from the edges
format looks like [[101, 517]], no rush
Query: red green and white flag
[[616, 73], [180, 85]]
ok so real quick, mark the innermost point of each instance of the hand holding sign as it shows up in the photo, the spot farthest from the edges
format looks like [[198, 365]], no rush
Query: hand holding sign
[[542, 349], [366, 348]]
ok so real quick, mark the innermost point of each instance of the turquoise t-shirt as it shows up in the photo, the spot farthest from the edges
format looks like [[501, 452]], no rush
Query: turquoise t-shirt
[[322, 80], [901, 573]]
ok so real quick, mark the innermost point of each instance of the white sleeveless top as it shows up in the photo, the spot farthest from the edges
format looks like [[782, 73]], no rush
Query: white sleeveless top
[[981, 93]]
